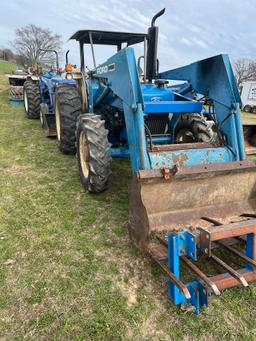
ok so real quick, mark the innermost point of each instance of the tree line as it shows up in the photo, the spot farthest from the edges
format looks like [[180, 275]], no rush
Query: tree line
[[10, 56]]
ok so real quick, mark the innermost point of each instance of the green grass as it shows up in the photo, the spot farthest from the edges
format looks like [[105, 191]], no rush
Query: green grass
[[68, 270], [249, 118], [6, 66]]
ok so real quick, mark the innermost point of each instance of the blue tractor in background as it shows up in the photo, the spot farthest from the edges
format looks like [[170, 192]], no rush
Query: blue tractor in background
[[39, 91], [192, 189]]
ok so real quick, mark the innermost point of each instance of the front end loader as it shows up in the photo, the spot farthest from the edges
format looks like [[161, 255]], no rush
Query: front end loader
[[193, 194]]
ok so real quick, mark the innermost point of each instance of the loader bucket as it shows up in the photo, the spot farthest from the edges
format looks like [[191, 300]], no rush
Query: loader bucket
[[250, 138], [217, 190]]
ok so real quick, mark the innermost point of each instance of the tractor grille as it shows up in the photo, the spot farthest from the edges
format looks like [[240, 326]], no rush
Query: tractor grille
[[157, 123]]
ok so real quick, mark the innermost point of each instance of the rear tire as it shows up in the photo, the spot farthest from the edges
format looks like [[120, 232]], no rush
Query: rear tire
[[94, 161], [31, 93], [254, 110], [67, 111], [193, 128]]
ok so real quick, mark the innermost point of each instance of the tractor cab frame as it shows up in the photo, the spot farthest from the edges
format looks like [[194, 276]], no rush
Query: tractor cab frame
[[110, 38]]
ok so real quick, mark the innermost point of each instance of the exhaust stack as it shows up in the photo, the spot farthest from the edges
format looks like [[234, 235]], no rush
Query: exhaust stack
[[151, 69]]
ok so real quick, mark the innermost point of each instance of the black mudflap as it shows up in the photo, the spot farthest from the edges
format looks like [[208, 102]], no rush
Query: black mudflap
[[47, 121]]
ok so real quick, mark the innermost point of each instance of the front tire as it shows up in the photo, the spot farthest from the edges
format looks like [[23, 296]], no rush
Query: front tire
[[67, 111], [31, 93], [94, 161]]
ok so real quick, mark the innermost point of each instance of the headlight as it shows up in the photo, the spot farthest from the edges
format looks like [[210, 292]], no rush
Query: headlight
[[69, 76]]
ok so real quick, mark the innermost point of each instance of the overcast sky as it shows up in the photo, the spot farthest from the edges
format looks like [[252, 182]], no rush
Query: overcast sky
[[189, 30]]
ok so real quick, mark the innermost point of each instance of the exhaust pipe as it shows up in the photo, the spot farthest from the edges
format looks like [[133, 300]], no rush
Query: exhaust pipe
[[152, 37], [67, 56]]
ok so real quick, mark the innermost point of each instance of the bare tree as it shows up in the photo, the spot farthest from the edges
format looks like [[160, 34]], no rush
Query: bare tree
[[245, 70], [31, 38]]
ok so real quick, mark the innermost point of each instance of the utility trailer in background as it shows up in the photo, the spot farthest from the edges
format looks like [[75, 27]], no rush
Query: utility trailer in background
[[248, 96], [16, 81]]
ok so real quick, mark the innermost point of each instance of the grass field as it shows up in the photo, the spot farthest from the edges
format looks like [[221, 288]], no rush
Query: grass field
[[67, 268]]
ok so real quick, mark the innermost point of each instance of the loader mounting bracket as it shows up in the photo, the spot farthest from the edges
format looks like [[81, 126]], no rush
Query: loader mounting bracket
[[168, 173], [184, 244]]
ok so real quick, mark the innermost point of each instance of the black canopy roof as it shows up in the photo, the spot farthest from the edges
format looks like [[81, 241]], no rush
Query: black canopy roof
[[108, 37]]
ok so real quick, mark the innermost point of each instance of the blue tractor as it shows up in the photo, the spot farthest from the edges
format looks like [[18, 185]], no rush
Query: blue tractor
[[39, 92], [192, 191]]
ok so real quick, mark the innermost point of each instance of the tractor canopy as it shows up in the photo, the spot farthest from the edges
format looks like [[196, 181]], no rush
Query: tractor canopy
[[108, 37]]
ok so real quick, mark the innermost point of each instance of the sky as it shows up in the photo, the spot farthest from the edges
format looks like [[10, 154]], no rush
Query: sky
[[189, 30]]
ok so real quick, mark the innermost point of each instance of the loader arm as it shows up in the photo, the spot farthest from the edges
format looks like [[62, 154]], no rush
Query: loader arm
[[122, 78], [121, 74], [213, 77]]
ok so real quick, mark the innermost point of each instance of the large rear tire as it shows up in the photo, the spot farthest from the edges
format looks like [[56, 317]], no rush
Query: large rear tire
[[94, 161], [67, 110], [31, 93], [193, 128]]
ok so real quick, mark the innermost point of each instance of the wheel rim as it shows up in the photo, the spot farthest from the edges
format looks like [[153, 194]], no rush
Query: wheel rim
[[26, 100], [185, 136], [83, 153], [57, 117]]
